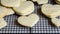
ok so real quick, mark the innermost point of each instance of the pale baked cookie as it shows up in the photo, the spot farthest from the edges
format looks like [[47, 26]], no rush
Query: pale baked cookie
[[56, 21], [3, 23], [51, 10], [5, 11], [29, 21], [26, 8], [10, 11], [10, 3], [26, 13]]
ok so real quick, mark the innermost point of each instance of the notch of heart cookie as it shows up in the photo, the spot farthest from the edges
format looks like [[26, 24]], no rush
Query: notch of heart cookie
[[28, 21]]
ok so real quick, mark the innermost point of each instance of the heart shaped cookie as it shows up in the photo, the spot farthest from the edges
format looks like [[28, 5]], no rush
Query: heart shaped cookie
[[26, 7], [29, 21], [3, 23], [10, 3], [56, 21], [51, 10], [5, 11]]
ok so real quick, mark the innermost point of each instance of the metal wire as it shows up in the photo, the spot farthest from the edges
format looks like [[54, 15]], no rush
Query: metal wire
[[43, 25]]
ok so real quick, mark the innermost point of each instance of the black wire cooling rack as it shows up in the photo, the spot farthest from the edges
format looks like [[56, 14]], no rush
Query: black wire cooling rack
[[43, 26]]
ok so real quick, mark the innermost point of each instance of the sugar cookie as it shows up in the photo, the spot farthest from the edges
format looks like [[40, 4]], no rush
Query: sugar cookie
[[10, 11], [25, 7], [10, 3], [26, 13], [5, 11], [3, 23], [29, 21], [56, 21], [51, 10]]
